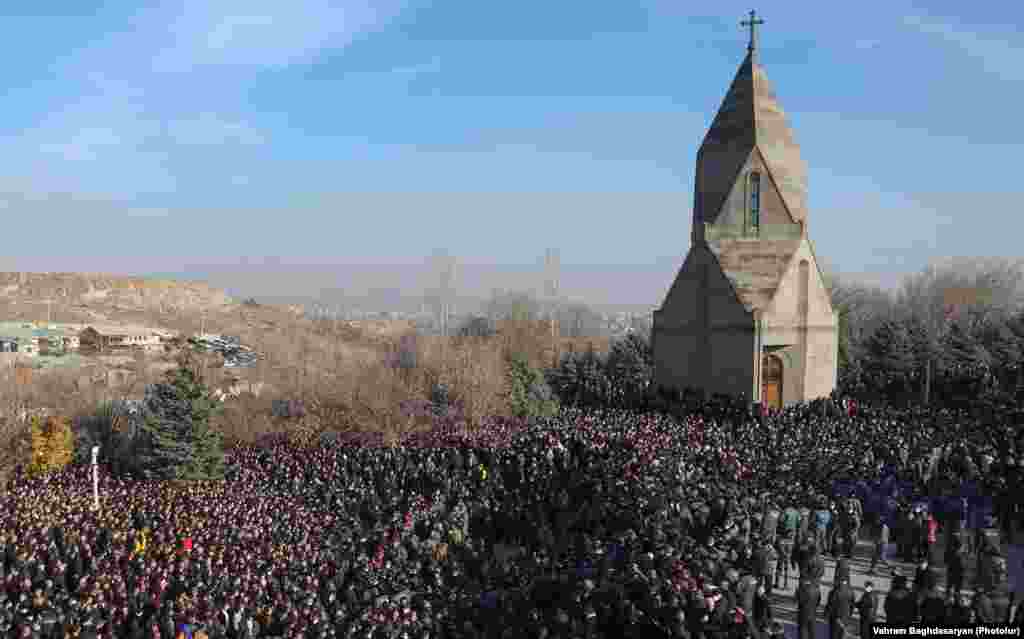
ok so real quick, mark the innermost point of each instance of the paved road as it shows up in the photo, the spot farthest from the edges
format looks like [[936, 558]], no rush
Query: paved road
[[784, 602]]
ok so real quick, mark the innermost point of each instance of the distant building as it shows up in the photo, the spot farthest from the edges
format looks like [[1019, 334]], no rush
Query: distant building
[[91, 339], [117, 338], [8, 344]]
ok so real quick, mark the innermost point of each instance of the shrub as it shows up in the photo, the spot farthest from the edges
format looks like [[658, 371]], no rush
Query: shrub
[[582, 380], [529, 394], [53, 444]]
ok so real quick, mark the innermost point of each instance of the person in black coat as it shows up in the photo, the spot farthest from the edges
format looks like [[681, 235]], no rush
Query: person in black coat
[[900, 605], [763, 615], [933, 607], [958, 610], [867, 609], [881, 541], [984, 612], [814, 568], [925, 580], [784, 551], [808, 597], [765, 560], [955, 555], [839, 608], [1002, 603]]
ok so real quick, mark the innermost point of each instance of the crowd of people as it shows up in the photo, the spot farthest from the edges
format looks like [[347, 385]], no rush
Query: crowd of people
[[593, 523]]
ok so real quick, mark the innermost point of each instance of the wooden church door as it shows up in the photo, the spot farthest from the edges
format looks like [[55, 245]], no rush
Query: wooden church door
[[771, 381]]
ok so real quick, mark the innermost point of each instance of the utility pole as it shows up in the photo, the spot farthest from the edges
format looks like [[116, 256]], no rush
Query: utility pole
[[445, 267], [95, 478], [552, 275], [202, 332]]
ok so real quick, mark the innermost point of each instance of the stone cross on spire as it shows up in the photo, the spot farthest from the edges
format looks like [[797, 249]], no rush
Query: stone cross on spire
[[753, 23]]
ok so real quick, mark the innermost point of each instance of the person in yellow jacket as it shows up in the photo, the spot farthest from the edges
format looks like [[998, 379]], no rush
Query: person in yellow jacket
[[483, 472], [141, 541]]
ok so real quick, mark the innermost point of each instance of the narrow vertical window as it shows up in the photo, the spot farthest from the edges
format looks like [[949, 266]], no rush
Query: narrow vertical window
[[755, 201]]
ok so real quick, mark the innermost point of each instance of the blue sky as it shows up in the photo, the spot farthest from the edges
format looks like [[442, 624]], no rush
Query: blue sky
[[204, 132]]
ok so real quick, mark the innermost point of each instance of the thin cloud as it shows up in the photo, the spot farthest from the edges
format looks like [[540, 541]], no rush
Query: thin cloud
[[156, 97], [997, 55], [267, 33], [210, 130]]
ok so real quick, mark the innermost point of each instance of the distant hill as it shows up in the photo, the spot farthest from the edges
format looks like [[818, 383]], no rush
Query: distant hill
[[85, 297]]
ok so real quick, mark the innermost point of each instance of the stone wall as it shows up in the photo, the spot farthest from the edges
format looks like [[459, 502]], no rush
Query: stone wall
[[702, 335]]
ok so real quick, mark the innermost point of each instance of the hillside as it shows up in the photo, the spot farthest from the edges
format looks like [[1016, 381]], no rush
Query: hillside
[[70, 290]]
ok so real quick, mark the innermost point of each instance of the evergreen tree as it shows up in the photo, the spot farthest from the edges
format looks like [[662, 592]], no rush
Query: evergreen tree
[[179, 442], [629, 369], [592, 380], [562, 379], [889, 356], [962, 353], [1006, 349], [529, 394]]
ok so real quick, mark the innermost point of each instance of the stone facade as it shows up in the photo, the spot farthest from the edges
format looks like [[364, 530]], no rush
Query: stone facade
[[749, 313]]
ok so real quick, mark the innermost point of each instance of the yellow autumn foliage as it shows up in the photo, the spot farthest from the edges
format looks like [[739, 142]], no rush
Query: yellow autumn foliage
[[53, 444]]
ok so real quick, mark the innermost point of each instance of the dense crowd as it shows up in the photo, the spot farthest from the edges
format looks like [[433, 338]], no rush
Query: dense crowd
[[590, 524]]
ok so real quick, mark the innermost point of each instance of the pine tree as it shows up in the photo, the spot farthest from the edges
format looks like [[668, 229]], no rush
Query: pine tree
[[591, 378], [962, 353], [529, 394], [629, 369], [1005, 347], [562, 378], [889, 356], [179, 440]]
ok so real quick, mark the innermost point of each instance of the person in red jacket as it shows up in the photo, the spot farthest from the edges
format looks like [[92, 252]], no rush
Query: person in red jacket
[[931, 530]]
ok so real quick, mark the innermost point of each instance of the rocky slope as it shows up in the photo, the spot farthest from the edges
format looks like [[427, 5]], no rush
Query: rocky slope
[[111, 291]]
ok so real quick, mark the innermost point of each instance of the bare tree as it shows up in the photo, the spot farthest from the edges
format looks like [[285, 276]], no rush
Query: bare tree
[[982, 288], [862, 306]]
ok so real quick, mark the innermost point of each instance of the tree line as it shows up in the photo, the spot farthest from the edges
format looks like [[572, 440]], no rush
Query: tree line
[[952, 333]]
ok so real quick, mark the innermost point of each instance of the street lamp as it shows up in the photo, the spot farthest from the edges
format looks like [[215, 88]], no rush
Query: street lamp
[[95, 478]]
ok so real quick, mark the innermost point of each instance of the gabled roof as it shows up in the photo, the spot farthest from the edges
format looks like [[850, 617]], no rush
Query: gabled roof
[[750, 116], [755, 267]]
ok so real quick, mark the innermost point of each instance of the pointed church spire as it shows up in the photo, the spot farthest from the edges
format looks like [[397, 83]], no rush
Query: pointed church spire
[[753, 22], [749, 119]]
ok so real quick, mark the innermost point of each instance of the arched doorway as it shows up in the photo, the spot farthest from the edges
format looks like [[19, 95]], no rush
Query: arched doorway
[[771, 381]]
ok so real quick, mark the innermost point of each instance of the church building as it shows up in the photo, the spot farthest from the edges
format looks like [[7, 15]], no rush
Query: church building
[[749, 313]]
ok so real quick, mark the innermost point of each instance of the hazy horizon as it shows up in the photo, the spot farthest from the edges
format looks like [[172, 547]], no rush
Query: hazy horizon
[[596, 285], [273, 281]]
